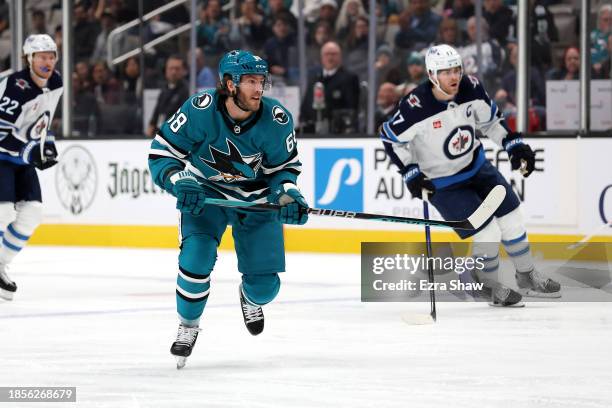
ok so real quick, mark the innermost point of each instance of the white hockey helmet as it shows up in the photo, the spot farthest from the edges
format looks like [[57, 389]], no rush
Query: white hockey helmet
[[441, 57], [38, 43]]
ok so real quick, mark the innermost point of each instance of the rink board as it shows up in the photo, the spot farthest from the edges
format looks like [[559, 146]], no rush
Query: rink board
[[101, 193]]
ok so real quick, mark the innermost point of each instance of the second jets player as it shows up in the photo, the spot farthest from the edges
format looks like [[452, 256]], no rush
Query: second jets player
[[432, 140], [28, 99], [231, 143]]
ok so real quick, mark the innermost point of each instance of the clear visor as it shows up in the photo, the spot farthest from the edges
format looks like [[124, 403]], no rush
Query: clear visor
[[255, 82]]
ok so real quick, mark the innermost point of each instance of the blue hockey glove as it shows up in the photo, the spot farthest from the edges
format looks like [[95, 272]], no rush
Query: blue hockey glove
[[190, 195], [43, 158], [294, 207], [417, 181], [521, 155]]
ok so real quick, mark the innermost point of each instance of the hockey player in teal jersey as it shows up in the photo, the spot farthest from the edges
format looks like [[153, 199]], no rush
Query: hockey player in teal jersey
[[237, 144]]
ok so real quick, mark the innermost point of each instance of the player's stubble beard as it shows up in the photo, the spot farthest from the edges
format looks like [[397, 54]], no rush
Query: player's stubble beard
[[241, 104]]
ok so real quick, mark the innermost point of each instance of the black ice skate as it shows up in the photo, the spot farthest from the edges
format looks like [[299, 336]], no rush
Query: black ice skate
[[185, 341], [7, 286], [499, 295], [534, 284], [252, 313]]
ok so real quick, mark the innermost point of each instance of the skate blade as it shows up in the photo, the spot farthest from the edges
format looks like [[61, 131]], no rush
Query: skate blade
[[180, 362], [534, 294], [518, 304], [6, 295]]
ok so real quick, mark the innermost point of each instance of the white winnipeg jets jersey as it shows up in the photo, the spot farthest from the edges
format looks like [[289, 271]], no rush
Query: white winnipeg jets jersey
[[440, 137], [26, 111]]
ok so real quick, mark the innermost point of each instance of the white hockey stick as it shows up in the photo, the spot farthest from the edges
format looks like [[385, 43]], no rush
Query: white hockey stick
[[476, 220]]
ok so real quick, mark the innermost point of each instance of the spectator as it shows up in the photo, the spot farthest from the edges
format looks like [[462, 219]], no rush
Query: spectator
[[39, 24], [252, 29], [85, 32], [276, 8], [386, 103], [505, 97], [281, 52], [214, 29], [323, 32], [328, 11], [341, 93], [350, 11], [206, 77], [492, 54], [85, 109], [381, 23], [543, 33], [105, 87], [415, 64], [599, 38], [173, 94], [499, 17], [448, 33], [82, 73], [418, 26], [460, 9], [383, 64], [357, 48], [131, 82], [389, 8], [57, 37], [570, 66], [107, 24]]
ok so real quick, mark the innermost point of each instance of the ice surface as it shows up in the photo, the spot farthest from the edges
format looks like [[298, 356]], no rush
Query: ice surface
[[103, 320]]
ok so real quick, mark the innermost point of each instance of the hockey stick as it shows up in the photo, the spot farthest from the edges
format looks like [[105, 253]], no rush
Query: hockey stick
[[474, 221], [430, 274], [420, 318]]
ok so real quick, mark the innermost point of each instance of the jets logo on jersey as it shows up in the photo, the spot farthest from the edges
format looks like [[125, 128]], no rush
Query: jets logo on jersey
[[232, 166], [201, 101], [280, 115], [22, 83], [414, 101], [459, 142]]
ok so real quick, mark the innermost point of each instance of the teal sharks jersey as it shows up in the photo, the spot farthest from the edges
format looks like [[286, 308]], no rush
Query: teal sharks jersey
[[239, 160]]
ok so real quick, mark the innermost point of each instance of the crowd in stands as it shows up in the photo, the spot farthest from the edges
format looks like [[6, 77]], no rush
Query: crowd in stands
[[107, 94]]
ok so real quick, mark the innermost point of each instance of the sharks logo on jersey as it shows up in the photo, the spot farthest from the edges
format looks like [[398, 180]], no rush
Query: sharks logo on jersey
[[280, 115], [459, 142], [232, 166], [201, 101]]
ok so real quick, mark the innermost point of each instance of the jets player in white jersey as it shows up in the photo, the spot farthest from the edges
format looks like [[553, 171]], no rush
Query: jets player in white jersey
[[432, 139], [28, 99]]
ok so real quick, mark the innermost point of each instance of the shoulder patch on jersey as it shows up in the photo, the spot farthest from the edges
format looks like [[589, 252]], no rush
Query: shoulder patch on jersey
[[473, 80], [202, 101], [22, 84], [279, 115], [414, 101]]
